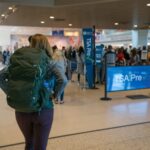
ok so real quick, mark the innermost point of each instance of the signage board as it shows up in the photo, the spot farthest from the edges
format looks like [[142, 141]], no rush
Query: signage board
[[128, 78]]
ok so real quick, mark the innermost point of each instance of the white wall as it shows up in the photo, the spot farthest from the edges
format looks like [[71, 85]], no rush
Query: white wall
[[4, 38]]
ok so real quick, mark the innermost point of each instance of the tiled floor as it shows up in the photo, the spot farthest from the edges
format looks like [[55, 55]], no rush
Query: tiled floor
[[135, 137], [84, 111]]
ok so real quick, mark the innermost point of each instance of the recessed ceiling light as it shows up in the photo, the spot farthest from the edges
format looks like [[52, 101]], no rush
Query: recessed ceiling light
[[3, 15], [51, 17], [135, 26], [148, 4], [42, 22], [10, 8], [70, 25], [116, 23]]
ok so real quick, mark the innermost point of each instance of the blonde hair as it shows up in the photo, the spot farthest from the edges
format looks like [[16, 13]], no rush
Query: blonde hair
[[57, 55], [41, 42]]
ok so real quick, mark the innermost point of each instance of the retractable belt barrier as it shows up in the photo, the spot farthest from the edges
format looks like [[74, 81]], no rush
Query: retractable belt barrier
[[128, 78], [124, 78]]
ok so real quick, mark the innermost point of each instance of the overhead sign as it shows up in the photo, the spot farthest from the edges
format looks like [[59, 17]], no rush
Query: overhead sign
[[58, 33], [128, 78]]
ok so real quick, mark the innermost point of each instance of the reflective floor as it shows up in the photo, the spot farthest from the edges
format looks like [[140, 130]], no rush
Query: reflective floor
[[135, 137], [84, 111]]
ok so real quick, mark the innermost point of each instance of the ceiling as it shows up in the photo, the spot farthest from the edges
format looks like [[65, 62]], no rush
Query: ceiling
[[80, 13]]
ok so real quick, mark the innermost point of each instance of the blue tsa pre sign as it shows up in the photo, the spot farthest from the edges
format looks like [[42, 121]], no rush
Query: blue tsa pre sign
[[88, 46], [128, 78]]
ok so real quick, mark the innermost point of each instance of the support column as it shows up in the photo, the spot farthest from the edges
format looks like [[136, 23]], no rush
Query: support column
[[139, 38]]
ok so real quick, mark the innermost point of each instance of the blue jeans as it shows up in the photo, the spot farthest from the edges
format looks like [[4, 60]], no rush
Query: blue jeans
[[35, 128], [62, 96]]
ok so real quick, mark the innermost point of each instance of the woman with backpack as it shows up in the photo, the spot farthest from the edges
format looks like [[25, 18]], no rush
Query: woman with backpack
[[31, 87]]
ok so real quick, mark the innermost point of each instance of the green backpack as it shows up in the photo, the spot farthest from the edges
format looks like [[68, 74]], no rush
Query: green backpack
[[26, 74]]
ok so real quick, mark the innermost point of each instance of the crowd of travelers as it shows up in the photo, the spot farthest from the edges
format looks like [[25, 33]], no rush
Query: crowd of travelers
[[132, 56], [73, 60], [116, 56]]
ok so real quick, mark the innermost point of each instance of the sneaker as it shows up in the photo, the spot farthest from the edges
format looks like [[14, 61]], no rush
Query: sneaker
[[56, 101], [61, 102]]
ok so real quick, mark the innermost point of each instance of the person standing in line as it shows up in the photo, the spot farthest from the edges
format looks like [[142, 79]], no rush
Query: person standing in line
[[120, 58], [134, 58], [126, 56], [98, 67], [71, 56], [80, 62], [64, 50], [1, 57], [61, 63], [110, 60], [8, 56], [143, 57], [35, 125], [4, 57]]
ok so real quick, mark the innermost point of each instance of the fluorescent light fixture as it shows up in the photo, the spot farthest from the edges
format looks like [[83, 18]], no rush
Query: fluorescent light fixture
[[52, 17], [116, 23], [148, 4], [70, 25], [42, 22]]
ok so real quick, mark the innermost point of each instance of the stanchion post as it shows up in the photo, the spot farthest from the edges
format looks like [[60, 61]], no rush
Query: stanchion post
[[84, 83], [105, 98], [94, 56], [94, 59]]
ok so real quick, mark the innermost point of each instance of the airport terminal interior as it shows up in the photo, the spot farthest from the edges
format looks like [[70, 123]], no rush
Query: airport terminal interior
[[109, 107]]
